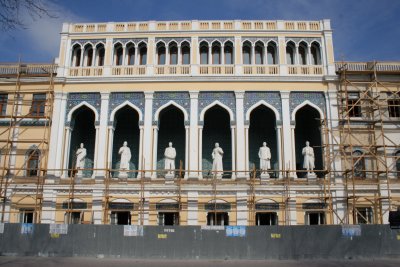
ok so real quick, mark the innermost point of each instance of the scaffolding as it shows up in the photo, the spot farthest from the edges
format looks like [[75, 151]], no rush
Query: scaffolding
[[22, 110]]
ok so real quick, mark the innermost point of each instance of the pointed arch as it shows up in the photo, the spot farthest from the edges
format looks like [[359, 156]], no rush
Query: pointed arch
[[267, 105], [217, 103], [122, 105], [84, 103], [173, 103], [305, 103]]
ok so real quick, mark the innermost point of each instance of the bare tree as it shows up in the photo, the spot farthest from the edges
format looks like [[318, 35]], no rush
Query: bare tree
[[13, 13]]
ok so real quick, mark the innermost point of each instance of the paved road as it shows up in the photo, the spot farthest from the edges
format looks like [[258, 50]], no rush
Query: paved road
[[93, 262]]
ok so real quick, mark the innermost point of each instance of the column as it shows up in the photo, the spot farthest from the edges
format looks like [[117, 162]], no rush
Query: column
[[140, 166], [56, 136], [111, 130], [248, 174], [101, 132], [200, 157], [192, 216], [309, 55], [179, 56], [67, 136], [241, 208], [279, 143], [240, 135], [97, 208], [288, 146], [81, 55], [297, 55], [147, 130], [281, 60], [233, 144], [193, 135], [155, 146], [253, 54], [187, 134], [49, 206]]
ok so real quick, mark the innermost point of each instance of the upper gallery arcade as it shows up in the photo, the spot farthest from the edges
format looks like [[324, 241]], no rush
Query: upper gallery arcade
[[192, 83]]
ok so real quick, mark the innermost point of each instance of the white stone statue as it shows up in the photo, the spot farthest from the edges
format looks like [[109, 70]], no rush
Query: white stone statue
[[169, 161], [265, 160], [80, 160], [309, 159], [217, 167], [126, 155]]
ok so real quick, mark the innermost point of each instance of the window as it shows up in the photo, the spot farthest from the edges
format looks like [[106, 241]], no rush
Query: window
[[173, 54], [228, 53], [364, 215], [315, 218], [76, 56], [354, 105], [3, 104], [185, 48], [88, 56], [359, 165], [118, 52], [161, 54], [168, 218], [315, 54], [26, 215], [217, 218], [271, 54], [203, 53], [266, 218], [75, 217], [394, 105], [100, 52], [216, 53], [131, 54], [38, 105], [120, 217], [290, 60], [142, 54], [259, 53], [32, 163], [303, 54], [246, 53]]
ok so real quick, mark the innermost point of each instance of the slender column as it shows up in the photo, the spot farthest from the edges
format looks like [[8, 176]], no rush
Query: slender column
[[242, 209], [293, 154], [81, 62], [240, 135], [247, 150], [167, 53], [96, 151], [155, 146], [279, 156], [179, 55], [200, 162], [111, 130], [49, 206], [187, 136], [192, 217], [135, 60], [97, 208], [147, 132], [253, 54], [60, 133], [288, 146], [210, 55], [222, 56], [309, 55], [123, 56], [93, 56], [140, 161], [56, 123], [67, 133], [233, 144], [194, 157], [101, 158], [297, 55]]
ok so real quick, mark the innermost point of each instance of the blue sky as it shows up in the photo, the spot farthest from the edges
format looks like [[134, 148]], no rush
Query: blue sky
[[363, 30]]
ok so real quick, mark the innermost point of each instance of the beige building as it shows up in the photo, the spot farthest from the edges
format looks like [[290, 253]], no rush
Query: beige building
[[194, 84]]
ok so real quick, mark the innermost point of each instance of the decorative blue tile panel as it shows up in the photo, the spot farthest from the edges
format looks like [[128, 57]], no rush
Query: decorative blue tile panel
[[75, 99], [317, 98], [264, 39], [221, 39], [85, 41], [226, 98], [272, 98], [178, 40], [162, 98], [135, 98], [124, 41]]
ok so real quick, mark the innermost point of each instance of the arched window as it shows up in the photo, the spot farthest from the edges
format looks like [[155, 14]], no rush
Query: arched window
[[88, 55], [271, 54], [246, 53], [130, 54], [290, 53], [216, 53], [142, 54], [359, 164], [118, 52], [76, 55], [203, 53], [315, 54], [185, 50], [100, 52], [173, 54], [160, 53], [259, 53], [303, 53], [228, 53], [32, 163]]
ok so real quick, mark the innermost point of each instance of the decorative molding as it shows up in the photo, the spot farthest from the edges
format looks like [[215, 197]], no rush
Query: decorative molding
[[297, 98], [272, 98], [226, 98], [85, 41], [221, 39], [264, 39], [308, 40], [178, 40], [124, 41], [116, 99], [162, 98], [75, 99]]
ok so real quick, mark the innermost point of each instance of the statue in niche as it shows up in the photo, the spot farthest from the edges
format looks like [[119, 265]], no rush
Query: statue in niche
[[169, 161], [265, 160], [217, 166], [80, 159], [126, 155], [309, 159]]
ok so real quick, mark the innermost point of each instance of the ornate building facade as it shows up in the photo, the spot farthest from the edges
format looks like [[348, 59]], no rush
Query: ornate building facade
[[194, 84]]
